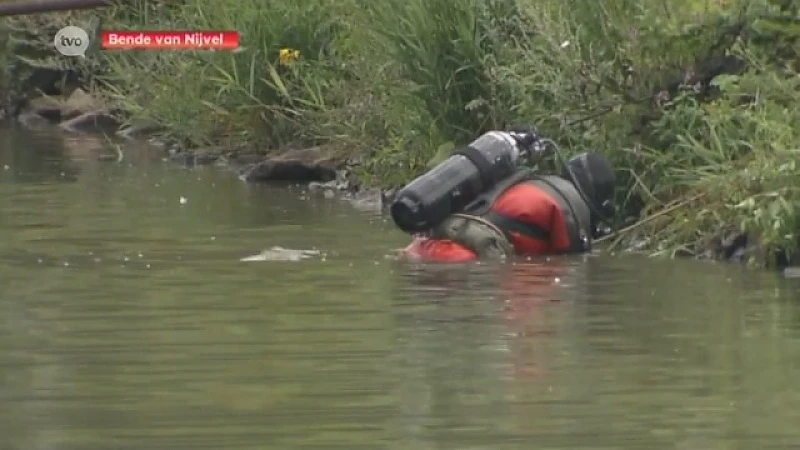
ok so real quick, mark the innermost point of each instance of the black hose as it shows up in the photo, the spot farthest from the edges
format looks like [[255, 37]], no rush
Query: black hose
[[557, 150]]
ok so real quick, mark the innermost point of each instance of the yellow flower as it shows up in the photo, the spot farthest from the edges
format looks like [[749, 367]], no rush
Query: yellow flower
[[287, 55]]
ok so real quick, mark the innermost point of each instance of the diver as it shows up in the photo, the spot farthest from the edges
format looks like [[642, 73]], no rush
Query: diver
[[481, 204]]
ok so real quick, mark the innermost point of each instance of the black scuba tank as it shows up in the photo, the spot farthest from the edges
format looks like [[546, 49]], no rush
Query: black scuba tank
[[454, 183]]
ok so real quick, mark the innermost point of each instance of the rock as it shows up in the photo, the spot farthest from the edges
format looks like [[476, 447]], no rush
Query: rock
[[367, 200], [306, 165], [33, 120], [108, 157], [182, 158], [791, 272], [242, 161], [48, 107], [139, 130], [727, 246], [157, 142], [81, 102], [318, 186], [207, 156], [201, 157], [734, 246], [345, 182], [328, 189], [98, 120], [58, 108], [348, 178], [387, 197], [788, 259], [737, 247]]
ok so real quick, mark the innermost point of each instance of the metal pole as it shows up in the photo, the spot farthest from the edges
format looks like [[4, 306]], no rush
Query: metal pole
[[42, 6]]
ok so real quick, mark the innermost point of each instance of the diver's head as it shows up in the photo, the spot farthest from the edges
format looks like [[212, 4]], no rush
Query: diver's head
[[594, 176]]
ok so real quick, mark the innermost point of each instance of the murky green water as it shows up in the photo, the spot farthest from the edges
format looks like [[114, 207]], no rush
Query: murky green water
[[128, 321]]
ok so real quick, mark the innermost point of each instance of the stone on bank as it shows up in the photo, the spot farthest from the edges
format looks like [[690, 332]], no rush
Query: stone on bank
[[304, 165], [77, 112]]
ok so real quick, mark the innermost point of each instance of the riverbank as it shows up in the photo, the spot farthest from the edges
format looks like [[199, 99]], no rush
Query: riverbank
[[693, 101]]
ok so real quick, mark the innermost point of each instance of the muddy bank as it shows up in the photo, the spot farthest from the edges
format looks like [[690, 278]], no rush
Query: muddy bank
[[39, 88], [321, 168]]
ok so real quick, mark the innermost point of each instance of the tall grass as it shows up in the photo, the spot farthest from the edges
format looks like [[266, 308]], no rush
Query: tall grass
[[447, 51], [246, 94]]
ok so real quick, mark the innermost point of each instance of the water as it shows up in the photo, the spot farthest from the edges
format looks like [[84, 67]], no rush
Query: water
[[129, 321]]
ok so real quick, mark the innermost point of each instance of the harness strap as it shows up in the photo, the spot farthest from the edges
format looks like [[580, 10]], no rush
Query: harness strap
[[479, 160], [509, 224], [483, 203], [576, 211]]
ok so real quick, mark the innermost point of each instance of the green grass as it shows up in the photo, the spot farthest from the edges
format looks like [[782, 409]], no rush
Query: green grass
[[691, 99]]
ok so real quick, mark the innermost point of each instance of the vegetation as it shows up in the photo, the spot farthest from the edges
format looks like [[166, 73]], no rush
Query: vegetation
[[693, 100]]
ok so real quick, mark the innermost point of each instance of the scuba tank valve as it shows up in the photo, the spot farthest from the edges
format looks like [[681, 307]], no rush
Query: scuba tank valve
[[454, 183]]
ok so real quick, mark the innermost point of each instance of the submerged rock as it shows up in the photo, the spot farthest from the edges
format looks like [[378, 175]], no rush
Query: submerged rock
[[306, 165], [139, 130], [278, 253], [387, 196], [791, 272], [98, 120], [47, 107], [33, 120], [736, 247], [340, 183], [200, 157], [367, 200]]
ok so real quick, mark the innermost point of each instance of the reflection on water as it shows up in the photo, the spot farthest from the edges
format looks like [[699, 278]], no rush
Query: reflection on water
[[129, 321]]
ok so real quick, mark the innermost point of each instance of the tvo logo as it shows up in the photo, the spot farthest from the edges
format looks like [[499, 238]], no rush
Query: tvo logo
[[71, 41]]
